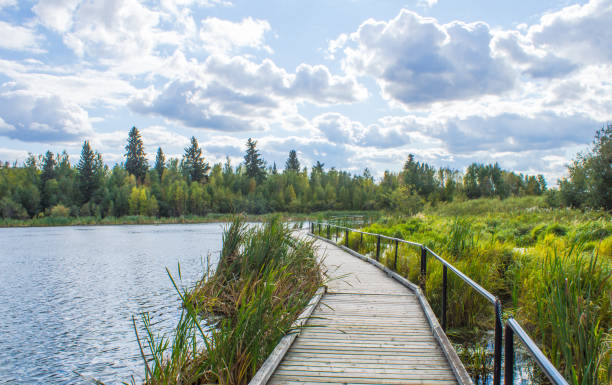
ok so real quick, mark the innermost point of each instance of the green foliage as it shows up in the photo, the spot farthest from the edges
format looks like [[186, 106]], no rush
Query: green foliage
[[253, 163], [191, 187], [264, 279], [292, 164], [88, 172], [193, 165], [573, 316], [160, 162], [135, 158], [590, 175], [550, 268], [60, 211]]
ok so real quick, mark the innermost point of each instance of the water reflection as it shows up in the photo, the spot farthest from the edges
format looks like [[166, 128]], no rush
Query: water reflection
[[67, 295]]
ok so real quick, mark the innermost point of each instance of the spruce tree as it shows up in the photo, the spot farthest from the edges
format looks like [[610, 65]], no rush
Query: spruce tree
[[87, 172], [292, 164], [48, 168], [255, 166], [135, 157], [193, 165], [160, 162]]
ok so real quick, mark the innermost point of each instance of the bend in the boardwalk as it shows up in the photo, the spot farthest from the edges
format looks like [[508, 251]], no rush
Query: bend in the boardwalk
[[367, 329]]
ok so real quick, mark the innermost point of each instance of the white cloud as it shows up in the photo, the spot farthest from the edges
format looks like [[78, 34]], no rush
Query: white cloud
[[417, 61], [19, 38], [56, 14], [7, 3], [579, 32], [223, 36], [31, 117]]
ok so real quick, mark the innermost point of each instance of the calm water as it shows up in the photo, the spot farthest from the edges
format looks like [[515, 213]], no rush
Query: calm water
[[67, 296]]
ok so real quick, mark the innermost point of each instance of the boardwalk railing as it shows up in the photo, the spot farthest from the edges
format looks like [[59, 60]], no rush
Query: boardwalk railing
[[512, 326]]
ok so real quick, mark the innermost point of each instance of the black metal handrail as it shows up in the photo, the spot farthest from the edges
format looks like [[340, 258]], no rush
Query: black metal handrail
[[512, 328], [497, 348]]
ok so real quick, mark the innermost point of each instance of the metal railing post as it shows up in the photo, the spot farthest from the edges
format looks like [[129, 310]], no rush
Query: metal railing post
[[509, 356], [423, 268], [346, 240], [319, 229], [444, 297], [328, 231], [377, 247], [361, 241], [395, 260], [497, 353]]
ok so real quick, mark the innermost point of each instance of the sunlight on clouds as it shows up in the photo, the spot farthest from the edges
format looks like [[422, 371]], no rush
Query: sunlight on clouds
[[222, 36], [19, 38]]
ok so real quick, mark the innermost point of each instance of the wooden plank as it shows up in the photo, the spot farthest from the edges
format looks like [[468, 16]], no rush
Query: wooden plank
[[282, 379], [367, 329], [271, 363]]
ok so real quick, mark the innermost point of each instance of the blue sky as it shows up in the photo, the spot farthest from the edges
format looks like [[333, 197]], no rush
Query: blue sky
[[353, 83]]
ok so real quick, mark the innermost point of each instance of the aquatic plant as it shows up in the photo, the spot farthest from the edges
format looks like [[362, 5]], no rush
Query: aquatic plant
[[234, 317]]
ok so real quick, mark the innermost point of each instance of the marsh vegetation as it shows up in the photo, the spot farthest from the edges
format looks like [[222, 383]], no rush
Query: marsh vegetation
[[550, 267], [235, 315]]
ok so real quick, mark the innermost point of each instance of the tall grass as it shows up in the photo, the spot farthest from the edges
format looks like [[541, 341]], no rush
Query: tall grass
[[234, 317], [572, 311], [549, 267]]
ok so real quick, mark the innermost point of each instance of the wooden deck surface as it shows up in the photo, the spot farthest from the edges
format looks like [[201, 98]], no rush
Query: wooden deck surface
[[367, 329]]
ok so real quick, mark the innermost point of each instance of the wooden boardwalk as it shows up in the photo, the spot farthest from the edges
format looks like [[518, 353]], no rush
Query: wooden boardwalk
[[367, 329]]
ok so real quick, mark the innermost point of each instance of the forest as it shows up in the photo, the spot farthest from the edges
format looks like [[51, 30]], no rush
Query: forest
[[50, 185]]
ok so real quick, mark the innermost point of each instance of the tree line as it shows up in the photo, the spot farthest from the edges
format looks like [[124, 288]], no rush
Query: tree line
[[49, 185]]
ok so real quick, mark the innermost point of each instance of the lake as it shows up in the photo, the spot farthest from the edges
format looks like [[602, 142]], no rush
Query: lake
[[68, 294]]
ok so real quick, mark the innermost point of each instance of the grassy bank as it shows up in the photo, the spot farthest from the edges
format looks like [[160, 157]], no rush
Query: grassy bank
[[234, 317], [550, 267], [145, 220]]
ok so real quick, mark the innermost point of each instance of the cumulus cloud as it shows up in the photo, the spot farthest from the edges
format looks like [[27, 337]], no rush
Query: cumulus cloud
[[56, 14], [314, 84], [225, 36], [537, 63], [579, 32], [188, 103], [417, 60], [236, 94], [19, 38], [506, 132], [41, 118]]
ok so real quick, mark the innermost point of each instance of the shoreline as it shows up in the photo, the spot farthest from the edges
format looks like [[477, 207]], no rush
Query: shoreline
[[142, 220]]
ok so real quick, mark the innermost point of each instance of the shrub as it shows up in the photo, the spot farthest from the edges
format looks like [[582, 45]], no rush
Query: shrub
[[60, 211], [12, 210]]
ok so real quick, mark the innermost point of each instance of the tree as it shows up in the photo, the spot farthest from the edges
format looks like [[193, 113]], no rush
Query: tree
[[193, 165], [292, 164], [318, 167], [87, 178], [255, 166], [590, 175], [135, 157], [160, 163], [48, 168]]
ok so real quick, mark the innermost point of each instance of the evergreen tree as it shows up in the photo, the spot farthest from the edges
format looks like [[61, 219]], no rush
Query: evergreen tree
[[48, 184], [318, 167], [255, 166], [48, 168], [193, 165], [160, 162], [87, 178], [135, 157], [292, 164]]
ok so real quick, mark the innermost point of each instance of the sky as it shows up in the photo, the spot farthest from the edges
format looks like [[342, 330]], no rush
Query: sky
[[350, 83]]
